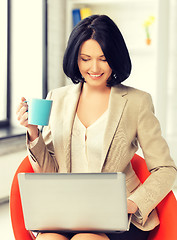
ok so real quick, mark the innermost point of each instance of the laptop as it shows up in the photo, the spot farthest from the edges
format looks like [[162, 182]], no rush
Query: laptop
[[77, 202]]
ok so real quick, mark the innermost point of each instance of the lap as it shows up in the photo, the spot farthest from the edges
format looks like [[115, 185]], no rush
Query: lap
[[133, 232], [74, 236], [50, 236]]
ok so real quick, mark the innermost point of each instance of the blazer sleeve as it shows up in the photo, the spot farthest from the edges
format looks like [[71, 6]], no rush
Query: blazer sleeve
[[42, 152], [158, 160]]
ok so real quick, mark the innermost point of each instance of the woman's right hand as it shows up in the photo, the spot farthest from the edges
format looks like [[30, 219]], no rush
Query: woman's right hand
[[22, 116]]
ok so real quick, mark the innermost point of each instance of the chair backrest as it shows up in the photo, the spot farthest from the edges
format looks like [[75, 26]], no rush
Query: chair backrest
[[167, 208], [16, 212]]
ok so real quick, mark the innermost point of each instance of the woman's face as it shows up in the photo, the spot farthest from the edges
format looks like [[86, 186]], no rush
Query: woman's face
[[93, 65]]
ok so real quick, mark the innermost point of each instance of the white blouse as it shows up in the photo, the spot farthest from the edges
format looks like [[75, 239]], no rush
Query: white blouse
[[87, 145]]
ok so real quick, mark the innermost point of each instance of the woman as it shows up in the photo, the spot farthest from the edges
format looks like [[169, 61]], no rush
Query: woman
[[96, 125]]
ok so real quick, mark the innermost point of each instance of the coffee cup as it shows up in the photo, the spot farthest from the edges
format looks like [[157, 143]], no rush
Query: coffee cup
[[39, 111]]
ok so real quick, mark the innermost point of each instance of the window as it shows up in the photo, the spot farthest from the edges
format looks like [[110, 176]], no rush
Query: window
[[28, 52], [4, 63], [23, 55]]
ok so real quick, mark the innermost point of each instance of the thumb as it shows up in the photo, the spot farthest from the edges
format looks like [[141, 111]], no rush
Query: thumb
[[23, 99]]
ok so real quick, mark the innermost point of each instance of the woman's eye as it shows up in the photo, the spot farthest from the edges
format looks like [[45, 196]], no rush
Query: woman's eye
[[85, 59], [103, 59]]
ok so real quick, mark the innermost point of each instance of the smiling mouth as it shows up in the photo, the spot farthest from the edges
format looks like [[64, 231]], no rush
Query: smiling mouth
[[95, 75]]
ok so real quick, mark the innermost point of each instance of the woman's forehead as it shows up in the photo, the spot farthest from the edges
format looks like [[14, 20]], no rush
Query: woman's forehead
[[91, 47]]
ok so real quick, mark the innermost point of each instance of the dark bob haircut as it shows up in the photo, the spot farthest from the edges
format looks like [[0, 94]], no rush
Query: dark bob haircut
[[102, 29]]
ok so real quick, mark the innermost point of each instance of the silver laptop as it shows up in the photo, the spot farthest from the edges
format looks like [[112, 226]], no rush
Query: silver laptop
[[74, 202]]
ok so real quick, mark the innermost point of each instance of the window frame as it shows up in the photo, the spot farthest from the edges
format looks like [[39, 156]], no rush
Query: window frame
[[45, 50], [6, 122]]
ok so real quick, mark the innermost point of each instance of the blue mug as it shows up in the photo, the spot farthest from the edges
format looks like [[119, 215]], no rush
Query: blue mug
[[39, 111]]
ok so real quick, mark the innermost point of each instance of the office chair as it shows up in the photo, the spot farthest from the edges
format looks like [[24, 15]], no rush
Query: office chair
[[167, 208], [17, 220]]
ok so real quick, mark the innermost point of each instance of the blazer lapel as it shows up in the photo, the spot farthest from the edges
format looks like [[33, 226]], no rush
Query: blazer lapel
[[117, 104], [70, 105]]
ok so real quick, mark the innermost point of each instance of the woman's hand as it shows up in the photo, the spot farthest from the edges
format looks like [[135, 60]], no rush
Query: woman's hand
[[22, 116], [131, 207]]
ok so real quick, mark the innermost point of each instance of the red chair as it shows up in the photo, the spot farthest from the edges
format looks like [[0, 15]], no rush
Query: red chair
[[167, 208], [16, 212]]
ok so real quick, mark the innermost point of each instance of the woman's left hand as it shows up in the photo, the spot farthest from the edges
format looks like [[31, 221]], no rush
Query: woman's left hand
[[131, 207]]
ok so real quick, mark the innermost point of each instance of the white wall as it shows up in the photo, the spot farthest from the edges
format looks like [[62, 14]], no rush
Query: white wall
[[9, 164], [172, 83]]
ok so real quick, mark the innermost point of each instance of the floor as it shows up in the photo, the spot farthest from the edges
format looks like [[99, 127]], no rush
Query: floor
[[5, 224]]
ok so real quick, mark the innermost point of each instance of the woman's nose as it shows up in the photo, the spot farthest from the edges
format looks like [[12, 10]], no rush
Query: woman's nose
[[95, 66]]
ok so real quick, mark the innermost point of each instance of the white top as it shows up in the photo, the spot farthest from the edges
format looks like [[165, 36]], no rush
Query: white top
[[87, 145]]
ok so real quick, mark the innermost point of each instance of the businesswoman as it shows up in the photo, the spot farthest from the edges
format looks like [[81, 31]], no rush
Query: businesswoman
[[97, 124]]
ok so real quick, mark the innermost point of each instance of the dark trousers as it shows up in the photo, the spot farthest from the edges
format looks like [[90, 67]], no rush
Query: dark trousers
[[134, 233]]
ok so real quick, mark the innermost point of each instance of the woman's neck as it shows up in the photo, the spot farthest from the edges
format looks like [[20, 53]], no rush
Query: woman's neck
[[93, 102], [89, 90]]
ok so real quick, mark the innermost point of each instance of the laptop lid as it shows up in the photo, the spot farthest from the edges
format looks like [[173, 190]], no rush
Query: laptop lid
[[74, 202]]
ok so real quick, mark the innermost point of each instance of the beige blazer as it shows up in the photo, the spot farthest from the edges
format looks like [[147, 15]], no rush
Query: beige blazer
[[131, 121]]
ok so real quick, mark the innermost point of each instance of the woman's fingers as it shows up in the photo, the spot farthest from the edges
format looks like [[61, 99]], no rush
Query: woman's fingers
[[23, 99], [22, 103], [22, 110], [22, 114], [23, 119], [131, 206]]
